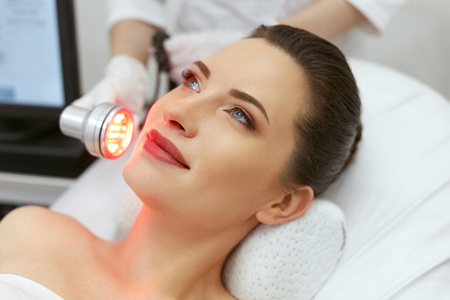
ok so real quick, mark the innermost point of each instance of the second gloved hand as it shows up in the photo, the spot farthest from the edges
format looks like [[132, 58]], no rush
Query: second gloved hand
[[184, 49], [126, 83]]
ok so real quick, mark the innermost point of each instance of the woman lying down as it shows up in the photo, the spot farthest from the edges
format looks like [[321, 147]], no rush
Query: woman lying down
[[251, 136]]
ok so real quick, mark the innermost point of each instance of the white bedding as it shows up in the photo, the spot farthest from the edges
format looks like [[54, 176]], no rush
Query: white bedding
[[396, 194]]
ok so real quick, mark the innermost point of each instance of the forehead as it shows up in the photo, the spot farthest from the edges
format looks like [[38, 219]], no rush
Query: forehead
[[264, 71]]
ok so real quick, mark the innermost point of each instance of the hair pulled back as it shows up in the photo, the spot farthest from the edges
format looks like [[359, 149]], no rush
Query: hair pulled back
[[329, 128]]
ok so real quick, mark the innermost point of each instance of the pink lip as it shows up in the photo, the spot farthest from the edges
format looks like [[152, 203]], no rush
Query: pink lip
[[164, 150]]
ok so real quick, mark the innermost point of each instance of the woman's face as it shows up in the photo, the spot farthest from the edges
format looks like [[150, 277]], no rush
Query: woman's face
[[232, 123]]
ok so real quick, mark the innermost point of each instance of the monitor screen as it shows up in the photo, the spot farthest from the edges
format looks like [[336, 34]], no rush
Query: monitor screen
[[38, 78], [31, 70]]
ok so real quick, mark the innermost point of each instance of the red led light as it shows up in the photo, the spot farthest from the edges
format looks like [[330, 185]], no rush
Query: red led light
[[119, 134]]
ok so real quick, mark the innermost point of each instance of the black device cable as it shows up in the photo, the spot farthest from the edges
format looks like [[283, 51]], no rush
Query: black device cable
[[162, 65]]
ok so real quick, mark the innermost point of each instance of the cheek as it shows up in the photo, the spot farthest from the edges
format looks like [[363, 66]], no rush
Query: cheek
[[237, 170]]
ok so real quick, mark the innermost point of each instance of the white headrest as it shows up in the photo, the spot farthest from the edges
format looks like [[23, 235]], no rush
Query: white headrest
[[287, 261]]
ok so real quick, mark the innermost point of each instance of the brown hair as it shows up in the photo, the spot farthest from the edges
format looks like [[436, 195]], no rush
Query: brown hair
[[329, 130]]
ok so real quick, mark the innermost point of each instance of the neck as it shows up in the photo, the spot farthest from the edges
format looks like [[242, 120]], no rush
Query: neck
[[172, 262]]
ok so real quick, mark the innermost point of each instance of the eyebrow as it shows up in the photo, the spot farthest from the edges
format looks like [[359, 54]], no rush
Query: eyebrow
[[203, 68], [250, 99], [234, 92]]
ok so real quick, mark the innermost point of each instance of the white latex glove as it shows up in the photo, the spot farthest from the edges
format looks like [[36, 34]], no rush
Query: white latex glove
[[184, 49], [126, 83]]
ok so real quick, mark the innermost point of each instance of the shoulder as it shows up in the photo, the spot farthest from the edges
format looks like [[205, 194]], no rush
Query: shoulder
[[24, 217], [32, 229], [34, 219], [46, 247], [14, 225]]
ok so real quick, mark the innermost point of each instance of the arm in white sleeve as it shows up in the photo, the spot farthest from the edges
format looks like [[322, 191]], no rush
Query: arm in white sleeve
[[125, 83], [126, 80], [147, 11], [377, 12], [325, 18]]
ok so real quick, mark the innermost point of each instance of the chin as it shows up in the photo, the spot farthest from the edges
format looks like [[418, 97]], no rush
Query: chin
[[135, 176], [152, 188]]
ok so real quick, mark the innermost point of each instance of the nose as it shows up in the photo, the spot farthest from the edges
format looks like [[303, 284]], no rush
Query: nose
[[184, 115]]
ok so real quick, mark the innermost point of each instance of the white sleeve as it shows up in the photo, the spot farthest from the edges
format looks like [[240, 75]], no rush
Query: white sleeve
[[377, 12], [148, 11]]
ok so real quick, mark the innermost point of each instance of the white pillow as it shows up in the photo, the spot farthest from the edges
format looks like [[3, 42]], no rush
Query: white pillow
[[287, 261]]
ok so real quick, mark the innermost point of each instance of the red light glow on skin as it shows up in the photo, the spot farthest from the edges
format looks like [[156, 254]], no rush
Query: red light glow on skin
[[164, 150]]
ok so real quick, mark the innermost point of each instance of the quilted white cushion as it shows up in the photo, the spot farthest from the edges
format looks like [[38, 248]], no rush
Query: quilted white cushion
[[287, 261]]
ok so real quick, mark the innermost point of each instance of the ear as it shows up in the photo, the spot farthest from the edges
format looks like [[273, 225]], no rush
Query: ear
[[288, 207]]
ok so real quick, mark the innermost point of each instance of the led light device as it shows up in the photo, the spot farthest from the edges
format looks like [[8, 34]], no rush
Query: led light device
[[106, 130]]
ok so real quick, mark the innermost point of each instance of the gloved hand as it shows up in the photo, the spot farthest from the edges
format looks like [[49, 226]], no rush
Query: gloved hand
[[126, 83], [184, 49]]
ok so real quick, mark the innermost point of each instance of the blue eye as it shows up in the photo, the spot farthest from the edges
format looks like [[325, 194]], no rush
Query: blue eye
[[193, 84], [242, 116], [190, 80], [238, 114]]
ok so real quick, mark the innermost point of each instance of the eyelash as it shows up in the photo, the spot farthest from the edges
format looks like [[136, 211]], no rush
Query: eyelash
[[188, 74]]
